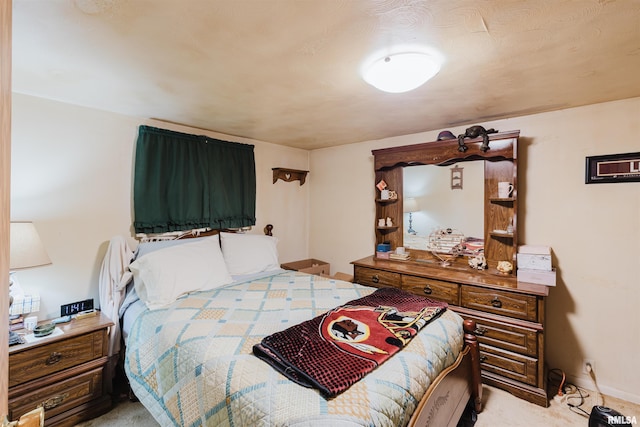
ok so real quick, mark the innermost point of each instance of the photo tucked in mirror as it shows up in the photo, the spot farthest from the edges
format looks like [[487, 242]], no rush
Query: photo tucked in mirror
[[438, 206]]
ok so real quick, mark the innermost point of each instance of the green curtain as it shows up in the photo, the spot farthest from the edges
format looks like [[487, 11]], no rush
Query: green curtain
[[184, 181]]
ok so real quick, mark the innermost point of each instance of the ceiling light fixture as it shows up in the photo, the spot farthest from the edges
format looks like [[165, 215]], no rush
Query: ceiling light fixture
[[401, 72]]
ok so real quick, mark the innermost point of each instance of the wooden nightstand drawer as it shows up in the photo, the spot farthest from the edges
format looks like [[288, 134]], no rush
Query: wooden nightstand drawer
[[511, 304], [437, 289], [508, 364], [506, 336], [60, 396], [63, 373], [378, 278], [54, 357]]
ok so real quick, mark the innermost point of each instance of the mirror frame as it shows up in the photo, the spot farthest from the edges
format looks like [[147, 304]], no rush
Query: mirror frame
[[500, 165]]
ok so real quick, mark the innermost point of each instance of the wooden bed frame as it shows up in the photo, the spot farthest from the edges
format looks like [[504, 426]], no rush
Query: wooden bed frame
[[446, 399]]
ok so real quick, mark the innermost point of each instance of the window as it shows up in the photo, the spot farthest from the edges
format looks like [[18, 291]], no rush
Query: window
[[184, 181]]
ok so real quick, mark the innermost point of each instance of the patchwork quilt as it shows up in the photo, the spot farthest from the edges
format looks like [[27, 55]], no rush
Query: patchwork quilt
[[191, 363]]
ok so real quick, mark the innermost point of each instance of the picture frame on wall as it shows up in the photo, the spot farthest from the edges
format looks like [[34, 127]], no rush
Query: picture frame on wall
[[613, 168]]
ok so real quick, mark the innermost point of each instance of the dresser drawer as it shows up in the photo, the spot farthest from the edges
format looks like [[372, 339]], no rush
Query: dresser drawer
[[511, 304], [437, 289], [378, 278], [47, 359], [508, 364], [505, 336], [59, 396]]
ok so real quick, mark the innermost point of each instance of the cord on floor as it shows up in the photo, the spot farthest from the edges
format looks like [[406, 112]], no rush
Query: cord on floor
[[570, 394]]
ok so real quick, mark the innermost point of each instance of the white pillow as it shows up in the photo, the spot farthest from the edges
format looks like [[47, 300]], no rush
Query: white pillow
[[249, 253], [163, 275]]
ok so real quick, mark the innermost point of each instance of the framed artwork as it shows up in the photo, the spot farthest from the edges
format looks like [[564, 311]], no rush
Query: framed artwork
[[456, 178], [613, 168]]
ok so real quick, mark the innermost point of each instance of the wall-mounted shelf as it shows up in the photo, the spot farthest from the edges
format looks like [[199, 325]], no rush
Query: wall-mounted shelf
[[385, 228], [289, 175], [499, 234]]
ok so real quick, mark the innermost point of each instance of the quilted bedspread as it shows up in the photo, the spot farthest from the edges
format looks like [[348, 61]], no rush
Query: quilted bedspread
[[191, 364]]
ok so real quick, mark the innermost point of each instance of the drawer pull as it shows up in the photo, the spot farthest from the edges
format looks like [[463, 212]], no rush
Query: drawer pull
[[53, 358], [427, 290], [496, 302], [480, 331], [375, 278], [483, 359], [54, 401]]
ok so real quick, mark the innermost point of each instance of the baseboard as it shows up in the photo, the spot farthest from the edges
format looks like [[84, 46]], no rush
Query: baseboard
[[587, 383]]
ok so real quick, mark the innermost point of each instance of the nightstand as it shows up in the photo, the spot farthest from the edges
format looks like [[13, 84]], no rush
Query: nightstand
[[64, 373]]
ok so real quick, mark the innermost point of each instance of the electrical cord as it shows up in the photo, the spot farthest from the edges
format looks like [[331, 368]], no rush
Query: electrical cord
[[579, 395], [592, 375], [571, 394], [557, 377]]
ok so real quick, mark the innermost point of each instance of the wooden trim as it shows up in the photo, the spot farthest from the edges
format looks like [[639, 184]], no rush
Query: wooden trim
[[445, 152], [5, 188]]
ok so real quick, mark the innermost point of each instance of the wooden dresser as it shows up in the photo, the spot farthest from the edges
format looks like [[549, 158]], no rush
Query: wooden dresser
[[510, 322], [63, 373]]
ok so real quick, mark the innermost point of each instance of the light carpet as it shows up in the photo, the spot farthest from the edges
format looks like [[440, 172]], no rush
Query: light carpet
[[500, 409]]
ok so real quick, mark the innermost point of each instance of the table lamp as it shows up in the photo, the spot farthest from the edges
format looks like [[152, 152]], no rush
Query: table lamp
[[410, 205], [25, 251]]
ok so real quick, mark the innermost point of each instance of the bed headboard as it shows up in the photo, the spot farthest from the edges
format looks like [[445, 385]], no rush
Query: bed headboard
[[197, 232]]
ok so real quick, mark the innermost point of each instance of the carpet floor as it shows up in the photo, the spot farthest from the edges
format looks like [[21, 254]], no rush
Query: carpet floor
[[500, 409]]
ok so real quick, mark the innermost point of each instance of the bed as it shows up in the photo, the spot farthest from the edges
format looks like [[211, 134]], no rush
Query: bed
[[189, 355]]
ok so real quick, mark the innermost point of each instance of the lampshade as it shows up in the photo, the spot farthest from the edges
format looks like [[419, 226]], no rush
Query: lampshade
[[26, 249], [410, 205], [401, 72]]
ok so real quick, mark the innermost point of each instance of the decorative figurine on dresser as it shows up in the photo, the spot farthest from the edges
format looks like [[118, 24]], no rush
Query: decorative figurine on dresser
[[510, 320]]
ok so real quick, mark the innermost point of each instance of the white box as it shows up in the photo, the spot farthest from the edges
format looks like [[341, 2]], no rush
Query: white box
[[534, 261], [540, 277], [532, 287], [534, 249]]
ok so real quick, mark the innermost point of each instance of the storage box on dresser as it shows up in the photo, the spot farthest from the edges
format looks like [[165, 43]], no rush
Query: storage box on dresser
[[510, 321], [65, 374]]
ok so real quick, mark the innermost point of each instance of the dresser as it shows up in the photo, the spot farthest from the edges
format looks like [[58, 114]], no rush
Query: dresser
[[510, 322], [64, 373]]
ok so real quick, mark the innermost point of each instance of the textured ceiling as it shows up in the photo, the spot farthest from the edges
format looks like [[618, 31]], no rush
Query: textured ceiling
[[288, 71]]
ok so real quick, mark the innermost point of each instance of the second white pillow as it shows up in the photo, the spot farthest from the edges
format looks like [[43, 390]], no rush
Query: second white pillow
[[249, 253]]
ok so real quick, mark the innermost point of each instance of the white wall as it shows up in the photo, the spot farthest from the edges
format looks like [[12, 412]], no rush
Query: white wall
[[72, 176], [594, 229]]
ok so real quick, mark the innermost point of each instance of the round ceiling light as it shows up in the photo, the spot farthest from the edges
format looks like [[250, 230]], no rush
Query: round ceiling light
[[401, 72]]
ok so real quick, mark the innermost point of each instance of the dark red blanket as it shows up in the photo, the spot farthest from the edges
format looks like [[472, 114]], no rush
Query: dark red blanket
[[338, 348]]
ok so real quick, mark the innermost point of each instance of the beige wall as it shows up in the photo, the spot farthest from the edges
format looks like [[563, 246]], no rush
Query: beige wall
[[72, 176], [594, 230]]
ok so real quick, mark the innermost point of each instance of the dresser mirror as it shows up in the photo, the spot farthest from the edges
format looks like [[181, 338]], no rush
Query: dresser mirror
[[439, 205], [423, 172]]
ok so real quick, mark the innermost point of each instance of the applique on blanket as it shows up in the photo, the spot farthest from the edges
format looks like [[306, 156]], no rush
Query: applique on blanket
[[334, 350]]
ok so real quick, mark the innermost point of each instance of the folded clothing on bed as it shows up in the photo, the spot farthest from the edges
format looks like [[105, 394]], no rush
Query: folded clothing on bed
[[332, 351]]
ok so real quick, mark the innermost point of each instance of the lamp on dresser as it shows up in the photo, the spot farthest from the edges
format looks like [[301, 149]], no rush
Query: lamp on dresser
[[410, 205], [25, 251]]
